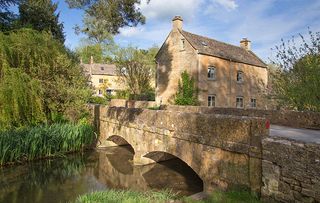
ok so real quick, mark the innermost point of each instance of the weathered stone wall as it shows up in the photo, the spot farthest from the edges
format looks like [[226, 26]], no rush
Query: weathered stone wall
[[132, 103], [277, 117], [224, 151], [226, 88], [290, 170]]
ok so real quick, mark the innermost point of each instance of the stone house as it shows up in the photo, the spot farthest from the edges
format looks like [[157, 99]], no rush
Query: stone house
[[103, 78], [225, 75]]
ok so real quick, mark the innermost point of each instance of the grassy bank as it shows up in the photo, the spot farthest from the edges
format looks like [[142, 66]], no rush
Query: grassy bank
[[114, 196], [44, 141], [122, 196]]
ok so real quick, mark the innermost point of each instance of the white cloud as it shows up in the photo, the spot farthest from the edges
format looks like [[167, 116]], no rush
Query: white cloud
[[130, 31], [227, 4], [164, 10]]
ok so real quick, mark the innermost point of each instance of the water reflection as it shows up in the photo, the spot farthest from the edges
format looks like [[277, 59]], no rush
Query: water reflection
[[62, 180]]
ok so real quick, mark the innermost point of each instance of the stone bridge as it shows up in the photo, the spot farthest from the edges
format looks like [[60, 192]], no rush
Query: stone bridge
[[225, 151]]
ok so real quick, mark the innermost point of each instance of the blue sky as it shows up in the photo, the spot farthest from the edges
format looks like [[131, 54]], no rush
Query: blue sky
[[264, 22]]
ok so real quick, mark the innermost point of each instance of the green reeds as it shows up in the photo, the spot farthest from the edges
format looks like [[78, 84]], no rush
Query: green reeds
[[37, 142]]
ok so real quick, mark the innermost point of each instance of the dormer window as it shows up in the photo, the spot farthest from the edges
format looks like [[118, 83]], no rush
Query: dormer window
[[101, 68], [240, 76], [211, 73]]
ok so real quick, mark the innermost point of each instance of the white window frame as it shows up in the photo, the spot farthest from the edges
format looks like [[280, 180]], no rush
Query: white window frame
[[240, 76], [253, 103], [239, 102], [212, 100], [211, 73]]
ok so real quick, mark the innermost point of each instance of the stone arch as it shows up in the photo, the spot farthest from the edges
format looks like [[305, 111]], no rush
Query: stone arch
[[161, 156], [116, 140]]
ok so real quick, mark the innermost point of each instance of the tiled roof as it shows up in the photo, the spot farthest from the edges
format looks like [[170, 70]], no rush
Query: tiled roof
[[215, 48], [100, 69]]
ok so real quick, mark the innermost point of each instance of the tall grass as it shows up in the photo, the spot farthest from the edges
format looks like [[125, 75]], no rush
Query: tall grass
[[44, 141]]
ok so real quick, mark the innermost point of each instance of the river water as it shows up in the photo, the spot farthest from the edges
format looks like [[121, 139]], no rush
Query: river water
[[64, 179]]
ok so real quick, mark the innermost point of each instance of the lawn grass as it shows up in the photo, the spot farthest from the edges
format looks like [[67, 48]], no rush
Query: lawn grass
[[233, 196], [126, 196], [123, 196]]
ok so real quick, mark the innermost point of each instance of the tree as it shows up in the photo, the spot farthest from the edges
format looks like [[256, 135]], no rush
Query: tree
[[187, 93], [41, 15], [297, 83], [40, 81], [105, 17], [7, 17], [136, 69], [101, 52]]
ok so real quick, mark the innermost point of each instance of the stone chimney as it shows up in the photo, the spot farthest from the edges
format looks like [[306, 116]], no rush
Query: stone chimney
[[177, 23], [91, 59], [245, 44]]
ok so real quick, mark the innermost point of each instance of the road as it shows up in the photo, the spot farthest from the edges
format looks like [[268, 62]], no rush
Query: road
[[305, 135]]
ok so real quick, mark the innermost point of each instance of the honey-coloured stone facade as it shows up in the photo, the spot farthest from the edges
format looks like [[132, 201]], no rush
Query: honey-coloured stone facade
[[195, 54]]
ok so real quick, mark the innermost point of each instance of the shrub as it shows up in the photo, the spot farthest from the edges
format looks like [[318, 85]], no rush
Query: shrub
[[187, 92]]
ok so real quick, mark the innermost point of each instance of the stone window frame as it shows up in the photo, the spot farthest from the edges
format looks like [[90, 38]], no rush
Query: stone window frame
[[101, 81], [212, 76], [240, 76], [239, 102], [211, 100], [253, 103]]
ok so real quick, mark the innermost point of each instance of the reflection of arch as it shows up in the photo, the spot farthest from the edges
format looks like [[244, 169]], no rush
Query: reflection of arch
[[173, 162], [120, 141]]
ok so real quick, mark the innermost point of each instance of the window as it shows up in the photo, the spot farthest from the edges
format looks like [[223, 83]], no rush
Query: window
[[240, 76], [100, 92], [102, 68], [253, 103], [100, 80], [239, 102], [109, 92], [211, 73], [183, 44], [211, 100]]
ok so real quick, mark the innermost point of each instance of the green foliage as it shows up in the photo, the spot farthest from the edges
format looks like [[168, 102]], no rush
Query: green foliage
[[51, 80], [20, 99], [296, 84], [107, 16], [101, 52], [127, 197], [30, 143], [136, 69], [40, 15], [122, 94], [187, 92], [7, 18], [233, 196], [98, 100]]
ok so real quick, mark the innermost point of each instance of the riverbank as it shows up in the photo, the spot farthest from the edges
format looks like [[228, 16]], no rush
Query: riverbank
[[31, 143], [123, 196]]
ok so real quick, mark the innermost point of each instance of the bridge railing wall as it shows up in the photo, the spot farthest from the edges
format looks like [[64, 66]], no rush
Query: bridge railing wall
[[277, 117]]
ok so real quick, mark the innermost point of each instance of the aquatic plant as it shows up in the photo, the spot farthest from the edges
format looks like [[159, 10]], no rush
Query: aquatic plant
[[30, 143]]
